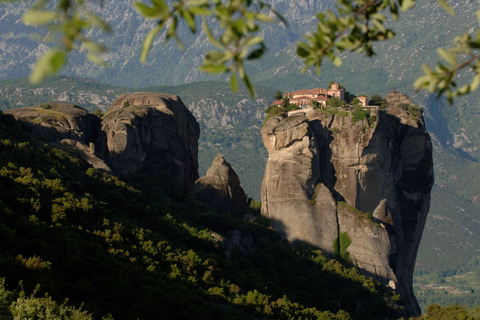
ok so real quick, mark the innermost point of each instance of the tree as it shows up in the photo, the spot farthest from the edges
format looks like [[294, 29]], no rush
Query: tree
[[278, 95], [285, 102], [376, 100], [355, 26], [356, 102], [334, 102]]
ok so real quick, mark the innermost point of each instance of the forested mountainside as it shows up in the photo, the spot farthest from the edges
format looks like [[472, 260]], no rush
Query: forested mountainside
[[448, 246], [141, 248]]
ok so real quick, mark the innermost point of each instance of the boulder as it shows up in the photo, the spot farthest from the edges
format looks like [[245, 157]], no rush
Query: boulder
[[220, 188], [152, 133]]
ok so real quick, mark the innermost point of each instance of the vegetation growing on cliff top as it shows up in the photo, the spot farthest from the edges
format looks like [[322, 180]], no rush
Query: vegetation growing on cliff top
[[361, 217], [116, 248]]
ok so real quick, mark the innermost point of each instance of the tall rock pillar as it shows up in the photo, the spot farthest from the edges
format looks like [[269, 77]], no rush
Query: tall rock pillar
[[329, 178]]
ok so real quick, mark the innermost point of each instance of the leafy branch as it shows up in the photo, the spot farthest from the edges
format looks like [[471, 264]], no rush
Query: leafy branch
[[465, 54], [69, 20], [239, 21], [354, 27]]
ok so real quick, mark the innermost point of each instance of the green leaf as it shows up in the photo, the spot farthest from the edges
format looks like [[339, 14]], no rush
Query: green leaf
[[252, 41], [97, 21], [394, 10], [200, 11], [450, 58], [214, 68], [92, 46], [198, 2], [210, 35], [39, 17], [337, 61], [233, 83], [446, 6], [302, 50], [148, 12], [96, 59], [214, 56], [147, 43], [255, 54], [249, 85], [475, 82], [275, 12], [48, 64], [407, 5], [421, 82], [264, 17], [189, 19]]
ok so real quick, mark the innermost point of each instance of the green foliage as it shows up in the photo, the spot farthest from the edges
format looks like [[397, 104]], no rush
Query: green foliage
[[361, 217], [16, 305], [463, 54], [412, 109], [69, 21], [376, 100], [354, 26], [275, 112], [340, 246], [313, 198], [46, 106], [269, 108], [278, 95], [126, 104], [98, 113], [255, 206], [292, 107], [436, 312], [239, 41], [358, 114], [335, 102], [116, 247], [285, 102]]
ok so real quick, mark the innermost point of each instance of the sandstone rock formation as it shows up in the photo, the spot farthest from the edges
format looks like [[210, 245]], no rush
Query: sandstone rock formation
[[220, 188], [59, 120], [64, 123], [358, 191], [151, 131]]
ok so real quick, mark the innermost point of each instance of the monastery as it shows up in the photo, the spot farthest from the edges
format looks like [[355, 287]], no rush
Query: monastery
[[304, 98]]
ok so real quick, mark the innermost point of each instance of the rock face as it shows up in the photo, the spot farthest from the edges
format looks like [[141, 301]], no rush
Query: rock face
[[360, 191], [58, 120], [220, 188], [149, 132], [142, 131], [64, 123]]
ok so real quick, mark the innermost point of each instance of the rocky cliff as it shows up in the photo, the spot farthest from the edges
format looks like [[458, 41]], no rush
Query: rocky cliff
[[220, 188], [143, 131], [358, 190], [152, 133]]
